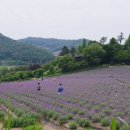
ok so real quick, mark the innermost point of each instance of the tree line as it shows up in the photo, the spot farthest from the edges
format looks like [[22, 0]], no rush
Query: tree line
[[73, 59]]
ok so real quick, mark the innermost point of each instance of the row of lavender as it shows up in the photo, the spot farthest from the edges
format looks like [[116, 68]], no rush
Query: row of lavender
[[103, 93]]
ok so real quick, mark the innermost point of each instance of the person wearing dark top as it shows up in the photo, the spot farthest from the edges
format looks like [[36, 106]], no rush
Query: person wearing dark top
[[38, 87], [60, 89]]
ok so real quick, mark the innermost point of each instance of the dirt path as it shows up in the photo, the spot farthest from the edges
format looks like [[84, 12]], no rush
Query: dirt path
[[1, 125]]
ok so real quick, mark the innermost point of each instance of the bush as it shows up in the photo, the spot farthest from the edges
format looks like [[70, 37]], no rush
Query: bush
[[1, 115], [105, 122], [69, 116], [75, 111], [18, 112], [107, 112], [80, 113], [55, 116], [84, 123], [33, 127], [62, 120], [72, 125], [125, 127], [96, 119], [20, 122], [50, 114]]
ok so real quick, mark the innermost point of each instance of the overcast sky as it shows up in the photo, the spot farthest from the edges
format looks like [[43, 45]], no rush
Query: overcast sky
[[69, 19]]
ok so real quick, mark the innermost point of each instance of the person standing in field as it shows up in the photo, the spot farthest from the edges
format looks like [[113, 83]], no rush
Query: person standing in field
[[60, 89], [39, 86]]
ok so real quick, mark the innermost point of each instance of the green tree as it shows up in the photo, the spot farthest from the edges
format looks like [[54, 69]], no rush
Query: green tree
[[84, 43], [123, 56], [67, 63], [111, 50], [64, 51], [81, 47], [94, 54], [127, 43], [73, 51]]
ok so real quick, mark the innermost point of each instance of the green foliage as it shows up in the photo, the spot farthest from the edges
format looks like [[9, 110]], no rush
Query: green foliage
[[2, 115], [127, 43], [67, 63], [81, 113], [33, 127], [113, 125], [107, 111], [81, 47], [50, 114], [55, 116], [125, 127], [69, 117], [94, 54], [73, 125], [105, 122], [122, 56], [84, 123], [73, 51], [13, 53], [111, 50], [62, 120], [20, 122], [85, 56], [96, 119], [64, 51]]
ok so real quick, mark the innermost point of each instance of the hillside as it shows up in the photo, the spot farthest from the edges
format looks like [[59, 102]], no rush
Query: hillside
[[51, 43], [13, 53]]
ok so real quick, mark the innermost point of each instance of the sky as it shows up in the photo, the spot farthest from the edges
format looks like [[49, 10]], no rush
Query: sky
[[64, 19]]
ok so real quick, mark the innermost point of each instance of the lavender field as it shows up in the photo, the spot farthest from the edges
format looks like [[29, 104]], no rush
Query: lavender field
[[103, 93]]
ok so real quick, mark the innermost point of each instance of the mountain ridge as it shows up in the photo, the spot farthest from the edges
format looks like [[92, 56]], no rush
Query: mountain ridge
[[53, 44], [14, 53]]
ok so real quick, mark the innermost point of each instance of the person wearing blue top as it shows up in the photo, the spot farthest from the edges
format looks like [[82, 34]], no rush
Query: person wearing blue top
[[60, 89]]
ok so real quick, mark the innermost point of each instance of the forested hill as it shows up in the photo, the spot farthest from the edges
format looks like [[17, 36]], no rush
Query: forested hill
[[13, 53], [51, 43]]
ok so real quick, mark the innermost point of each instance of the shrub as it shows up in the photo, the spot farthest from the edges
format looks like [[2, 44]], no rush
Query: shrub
[[73, 125], [125, 127], [96, 119], [18, 112], [20, 122], [62, 120], [44, 113], [105, 122], [33, 127], [1, 115], [97, 108], [107, 112], [80, 113], [50, 114], [84, 123], [75, 111], [55, 116], [69, 116]]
